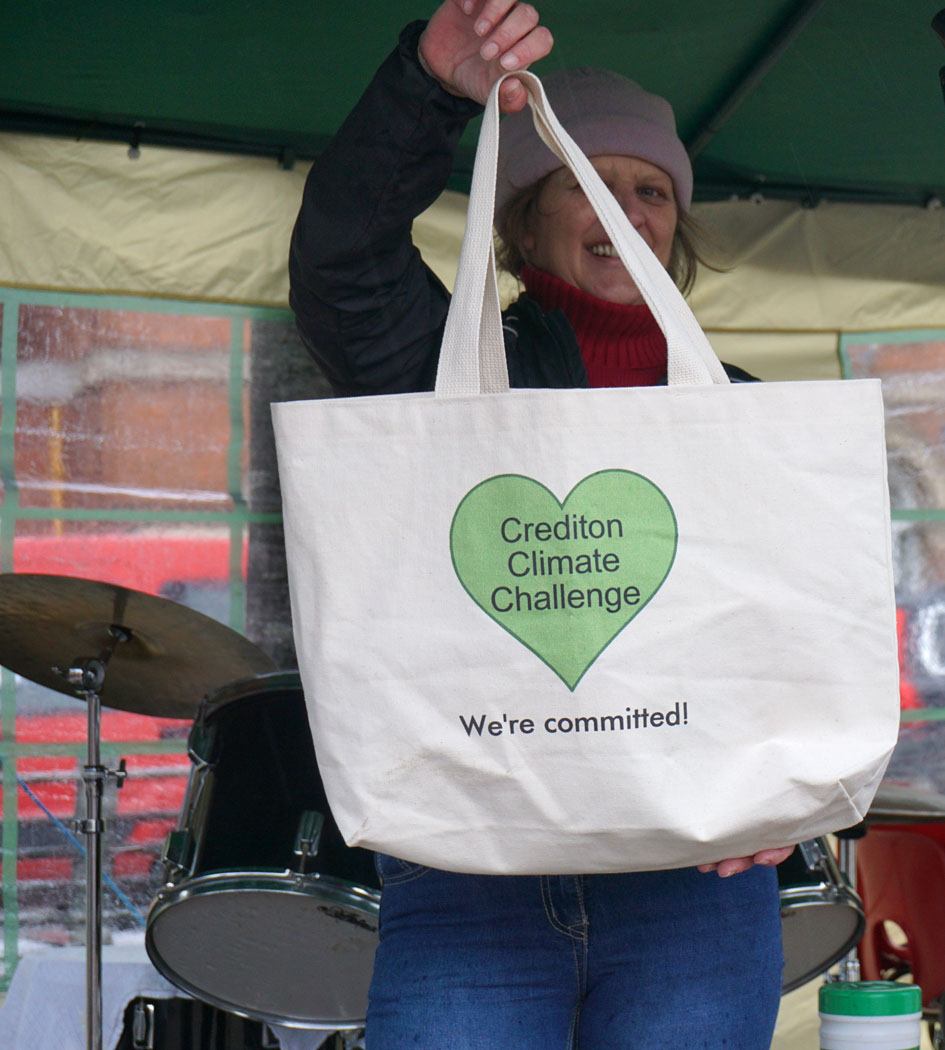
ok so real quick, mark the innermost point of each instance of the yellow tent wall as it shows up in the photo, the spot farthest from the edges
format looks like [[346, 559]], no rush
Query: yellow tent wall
[[83, 216]]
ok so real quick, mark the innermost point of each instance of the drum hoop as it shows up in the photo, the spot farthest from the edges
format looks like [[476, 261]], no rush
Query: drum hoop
[[335, 890], [332, 890], [795, 899], [257, 685], [340, 1024], [825, 893]]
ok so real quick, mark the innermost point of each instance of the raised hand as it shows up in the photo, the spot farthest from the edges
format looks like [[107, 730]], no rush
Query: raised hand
[[469, 44]]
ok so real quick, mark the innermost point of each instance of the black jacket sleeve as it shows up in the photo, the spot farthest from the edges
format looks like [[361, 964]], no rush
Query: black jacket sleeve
[[368, 308]]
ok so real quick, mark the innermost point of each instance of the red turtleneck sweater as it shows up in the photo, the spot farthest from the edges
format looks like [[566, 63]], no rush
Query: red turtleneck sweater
[[621, 345]]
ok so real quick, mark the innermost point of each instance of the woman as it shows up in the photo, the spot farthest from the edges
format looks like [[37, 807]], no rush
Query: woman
[[659, 959]]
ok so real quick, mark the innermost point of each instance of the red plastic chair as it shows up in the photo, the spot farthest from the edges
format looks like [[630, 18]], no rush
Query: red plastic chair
[[901, 879]]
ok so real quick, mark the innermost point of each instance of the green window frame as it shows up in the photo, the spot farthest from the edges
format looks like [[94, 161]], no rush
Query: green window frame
[[236, 519]]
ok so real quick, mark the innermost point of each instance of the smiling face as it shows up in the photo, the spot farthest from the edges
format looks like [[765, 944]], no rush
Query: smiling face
[[564, 237]]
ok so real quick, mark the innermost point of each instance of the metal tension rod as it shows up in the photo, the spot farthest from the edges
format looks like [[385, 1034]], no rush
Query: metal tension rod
[[753, 73]]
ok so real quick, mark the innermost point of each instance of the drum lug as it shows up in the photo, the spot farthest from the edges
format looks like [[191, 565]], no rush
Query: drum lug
[[815, 857], [813, 854], [142, 1025], [307, 837], [178, 852], [202, 745]]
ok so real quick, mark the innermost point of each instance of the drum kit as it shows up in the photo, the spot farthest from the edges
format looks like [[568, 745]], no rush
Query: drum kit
[[265, 912]]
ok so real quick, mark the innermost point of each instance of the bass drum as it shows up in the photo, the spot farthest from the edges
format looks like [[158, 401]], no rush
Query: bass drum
[[821, 917], [265, 912]]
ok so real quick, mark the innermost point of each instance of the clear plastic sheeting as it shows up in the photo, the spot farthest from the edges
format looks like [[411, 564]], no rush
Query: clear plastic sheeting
[[135, 451], [912, 370], [122, 408]]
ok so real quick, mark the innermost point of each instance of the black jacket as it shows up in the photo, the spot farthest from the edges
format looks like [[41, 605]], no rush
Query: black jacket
[[367, 307]]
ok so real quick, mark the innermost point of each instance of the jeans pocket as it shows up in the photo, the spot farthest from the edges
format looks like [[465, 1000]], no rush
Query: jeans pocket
[[393, 870]]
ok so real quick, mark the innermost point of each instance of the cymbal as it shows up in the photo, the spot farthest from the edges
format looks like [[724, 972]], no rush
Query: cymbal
[[894, 804], [169, 657]]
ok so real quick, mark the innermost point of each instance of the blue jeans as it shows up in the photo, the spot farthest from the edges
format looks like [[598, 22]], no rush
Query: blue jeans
[[646, 961]]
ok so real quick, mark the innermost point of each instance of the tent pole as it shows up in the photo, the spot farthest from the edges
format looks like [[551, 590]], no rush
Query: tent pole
[[754, 72]]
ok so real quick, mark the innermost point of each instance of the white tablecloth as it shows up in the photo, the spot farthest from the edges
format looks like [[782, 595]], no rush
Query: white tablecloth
[[45, 1006]]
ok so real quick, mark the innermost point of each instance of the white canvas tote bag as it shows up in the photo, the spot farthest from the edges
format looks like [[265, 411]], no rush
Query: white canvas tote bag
[[553, 631]]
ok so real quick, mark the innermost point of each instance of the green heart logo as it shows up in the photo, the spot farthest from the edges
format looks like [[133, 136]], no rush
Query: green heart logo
[[564, 578]]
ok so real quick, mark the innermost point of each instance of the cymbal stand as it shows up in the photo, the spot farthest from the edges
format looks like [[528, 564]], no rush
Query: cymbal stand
[[87, 677]]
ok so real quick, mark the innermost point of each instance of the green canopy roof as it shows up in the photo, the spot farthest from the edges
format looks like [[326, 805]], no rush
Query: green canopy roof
[[836, 98]]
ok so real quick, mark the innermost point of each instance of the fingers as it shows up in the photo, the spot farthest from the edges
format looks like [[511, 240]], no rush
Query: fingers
[[770, 857], [727, 868], [468, 44], [504, 35], [516, 43], [518, 40], [735, 865], [489, 14], [512, 96]]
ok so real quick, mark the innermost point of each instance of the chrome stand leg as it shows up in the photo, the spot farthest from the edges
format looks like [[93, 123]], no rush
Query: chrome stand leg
[[850, 966], [87, 678], [94, 777]]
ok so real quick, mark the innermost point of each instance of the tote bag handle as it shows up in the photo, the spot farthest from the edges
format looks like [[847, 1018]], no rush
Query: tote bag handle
[[472, 358]]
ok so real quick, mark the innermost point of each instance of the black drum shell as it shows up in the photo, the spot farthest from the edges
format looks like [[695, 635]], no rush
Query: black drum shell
[[243, 922], [263, 775]]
